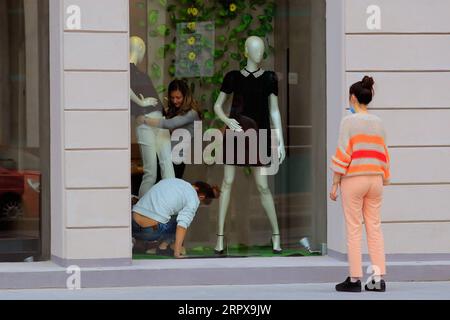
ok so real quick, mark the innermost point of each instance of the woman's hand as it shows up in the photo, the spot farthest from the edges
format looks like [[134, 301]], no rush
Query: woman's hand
[[233, 124], [179, 256], [140, 120], [152, 122], [334, 191]]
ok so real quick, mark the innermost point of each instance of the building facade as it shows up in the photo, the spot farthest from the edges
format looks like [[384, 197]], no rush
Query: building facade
[[85, 190]]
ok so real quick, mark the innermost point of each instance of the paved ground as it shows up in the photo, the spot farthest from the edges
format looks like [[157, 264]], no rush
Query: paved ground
[[396, 291]]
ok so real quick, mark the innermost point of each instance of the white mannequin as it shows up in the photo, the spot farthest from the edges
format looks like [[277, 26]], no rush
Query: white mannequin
[[254, 51], [137, 53], [152, 141]]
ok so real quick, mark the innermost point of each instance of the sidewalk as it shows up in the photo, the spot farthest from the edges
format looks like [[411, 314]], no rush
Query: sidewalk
[[214, 272], [396, 291]]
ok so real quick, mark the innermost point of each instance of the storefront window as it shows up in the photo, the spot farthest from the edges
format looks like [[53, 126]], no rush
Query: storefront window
[[23, 112], [201, 42]]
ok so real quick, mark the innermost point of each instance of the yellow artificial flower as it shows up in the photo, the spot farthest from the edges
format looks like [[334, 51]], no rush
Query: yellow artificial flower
[[233, 7], [191, 41], [194, 12], [192, 56], [191, 25]]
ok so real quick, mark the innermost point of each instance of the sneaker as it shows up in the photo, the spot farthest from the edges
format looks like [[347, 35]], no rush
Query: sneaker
[[348, 286], [379, 286]]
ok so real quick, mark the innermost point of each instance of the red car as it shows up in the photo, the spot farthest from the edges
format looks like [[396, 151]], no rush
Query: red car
[[12, 187]]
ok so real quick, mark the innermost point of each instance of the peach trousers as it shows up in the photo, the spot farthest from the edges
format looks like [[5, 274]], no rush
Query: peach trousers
[[361, 199]]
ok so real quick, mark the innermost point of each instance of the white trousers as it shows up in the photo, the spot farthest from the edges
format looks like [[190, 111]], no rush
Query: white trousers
[[154, 142]]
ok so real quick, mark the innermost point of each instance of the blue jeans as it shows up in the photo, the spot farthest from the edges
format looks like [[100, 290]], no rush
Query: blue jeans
[[163, 232]]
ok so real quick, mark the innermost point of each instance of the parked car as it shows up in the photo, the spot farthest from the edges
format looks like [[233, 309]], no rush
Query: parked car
[[11, 192]]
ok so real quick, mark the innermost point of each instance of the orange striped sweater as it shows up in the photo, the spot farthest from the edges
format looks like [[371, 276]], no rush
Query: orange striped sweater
[[362, 147]]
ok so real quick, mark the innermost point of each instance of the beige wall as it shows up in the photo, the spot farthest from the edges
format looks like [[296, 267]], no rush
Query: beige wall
[[409, 59], [90, 133]]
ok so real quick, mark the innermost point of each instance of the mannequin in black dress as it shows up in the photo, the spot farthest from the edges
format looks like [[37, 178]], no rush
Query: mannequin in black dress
[[255, 103]]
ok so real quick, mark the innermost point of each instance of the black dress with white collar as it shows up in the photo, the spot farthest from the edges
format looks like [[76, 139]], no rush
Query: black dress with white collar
[[250, 107]]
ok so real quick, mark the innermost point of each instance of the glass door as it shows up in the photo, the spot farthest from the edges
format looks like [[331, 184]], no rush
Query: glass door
[[301, 59]]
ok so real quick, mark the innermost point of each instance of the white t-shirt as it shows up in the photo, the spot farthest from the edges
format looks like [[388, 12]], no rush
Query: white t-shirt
[[167, 198]]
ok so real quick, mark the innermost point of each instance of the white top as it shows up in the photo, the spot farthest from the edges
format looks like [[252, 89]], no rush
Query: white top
[[167, 198]]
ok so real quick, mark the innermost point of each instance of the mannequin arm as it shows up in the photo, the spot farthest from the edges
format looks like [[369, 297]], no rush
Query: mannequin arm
[[143, 102], [218, 109], [276, 120]]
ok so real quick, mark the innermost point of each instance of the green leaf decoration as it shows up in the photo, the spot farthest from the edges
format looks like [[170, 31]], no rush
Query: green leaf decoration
[[267, 27], [156, 71], [218, 53], [161, 89], [209, 64], [225, 65], [153, 16], [235, 56], [251, 17], [161, 53], [220, 22], [214, 95], [163, 30], [241, 45], [172, 71], [207, 115]]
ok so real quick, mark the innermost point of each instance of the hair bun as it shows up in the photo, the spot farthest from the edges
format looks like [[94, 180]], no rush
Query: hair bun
[[368, 82]]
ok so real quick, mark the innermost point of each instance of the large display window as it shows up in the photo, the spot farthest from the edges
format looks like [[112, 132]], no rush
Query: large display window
[[239, 69], [24, 143]]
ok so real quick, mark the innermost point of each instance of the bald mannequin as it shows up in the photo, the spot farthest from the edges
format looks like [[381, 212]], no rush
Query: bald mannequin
[[254, 51], [154, 142]]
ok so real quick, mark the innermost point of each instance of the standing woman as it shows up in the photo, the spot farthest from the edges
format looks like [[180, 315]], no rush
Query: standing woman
[[361, 168], [182, 111]]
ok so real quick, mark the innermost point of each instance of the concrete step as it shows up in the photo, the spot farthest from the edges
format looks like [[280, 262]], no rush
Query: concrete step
[[188, 272]]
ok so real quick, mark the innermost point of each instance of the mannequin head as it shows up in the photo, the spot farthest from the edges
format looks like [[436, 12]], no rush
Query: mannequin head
[[254, 49], [137, 49]]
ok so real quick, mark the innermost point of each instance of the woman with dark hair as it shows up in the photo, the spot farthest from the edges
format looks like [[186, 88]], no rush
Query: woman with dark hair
[[167, 210], [361, 168], [181, 113]]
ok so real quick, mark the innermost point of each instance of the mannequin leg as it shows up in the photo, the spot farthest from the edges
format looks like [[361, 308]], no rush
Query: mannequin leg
[[269, 207], [164, 151], [227, 183], [147, 144]]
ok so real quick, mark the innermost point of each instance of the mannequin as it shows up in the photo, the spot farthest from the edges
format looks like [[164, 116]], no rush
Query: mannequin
[[252, 74], [153, 142]]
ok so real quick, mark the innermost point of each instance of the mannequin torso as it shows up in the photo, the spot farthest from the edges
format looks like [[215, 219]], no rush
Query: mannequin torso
[[250, 106]]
